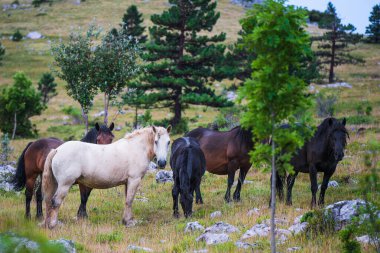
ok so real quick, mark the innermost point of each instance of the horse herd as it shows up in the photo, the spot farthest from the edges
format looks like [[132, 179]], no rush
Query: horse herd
[[125, 162]]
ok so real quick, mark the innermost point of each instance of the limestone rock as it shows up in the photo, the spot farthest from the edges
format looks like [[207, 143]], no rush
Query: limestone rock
[[138, 248], [221, 227], [164, 176], [215, 214], [211, 238], [193, 226]]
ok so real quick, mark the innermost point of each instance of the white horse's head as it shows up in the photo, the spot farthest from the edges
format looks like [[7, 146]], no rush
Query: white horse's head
[[161, 144]]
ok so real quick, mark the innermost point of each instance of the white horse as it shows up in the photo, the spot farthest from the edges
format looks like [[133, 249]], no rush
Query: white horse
[[102, 166]]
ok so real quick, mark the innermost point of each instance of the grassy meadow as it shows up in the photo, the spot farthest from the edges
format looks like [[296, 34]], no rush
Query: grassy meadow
[[157, 229]]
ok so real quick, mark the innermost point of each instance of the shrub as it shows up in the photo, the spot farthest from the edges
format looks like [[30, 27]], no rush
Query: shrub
[[2, 52], [17, 36], [228, 118], [360, 119], [325, 104], [320, 222], [74, 113], [350, 244], [180, 128], [145, 119], [6, 149]]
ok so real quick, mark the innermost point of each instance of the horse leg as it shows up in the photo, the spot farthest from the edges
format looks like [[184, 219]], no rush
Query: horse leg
[[280, 186], [290, 182], [198, 194], [130, 191], [84, 194], [242, 175], [29, 187], [56, 202], [39, 199], [175, 193], [232, 167], [314, 185], [326, 178]]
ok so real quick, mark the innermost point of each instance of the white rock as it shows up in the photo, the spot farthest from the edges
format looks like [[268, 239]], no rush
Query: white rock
[[245, 182], [152, 167], [336, 85], [365, 239], [294, 249], [215, 214], [193, 226], [201, 251], [221, 227], [231, 96], [245, 245], [118, 128], [333, 184], [211, 238], [99, 114], [164, 176], [257, 230], [7, 172], [34, 35], [253, 211], [298, 227], [138, 248], [277, 221]]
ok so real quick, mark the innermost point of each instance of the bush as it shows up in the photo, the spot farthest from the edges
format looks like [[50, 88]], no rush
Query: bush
[[74, 113], [350, 244], [180, 128], [145, 119], [360, 119], [17, 36], [326, 104], [6, 149], [319, 221], [228, 118], [2, 52]]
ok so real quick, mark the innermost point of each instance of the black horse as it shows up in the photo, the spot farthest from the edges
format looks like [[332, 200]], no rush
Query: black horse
[[189, 165], [31, 165], [320, 154]]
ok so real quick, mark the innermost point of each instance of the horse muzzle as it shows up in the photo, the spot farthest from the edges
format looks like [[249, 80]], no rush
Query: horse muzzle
[[161, 163]]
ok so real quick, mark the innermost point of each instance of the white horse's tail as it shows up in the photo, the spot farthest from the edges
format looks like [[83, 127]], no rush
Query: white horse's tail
[[49, 184]]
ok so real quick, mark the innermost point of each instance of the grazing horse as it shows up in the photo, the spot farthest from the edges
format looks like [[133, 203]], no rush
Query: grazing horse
[[31, 165], [102, 166], [189, 165], [225, 153], [320, 154]]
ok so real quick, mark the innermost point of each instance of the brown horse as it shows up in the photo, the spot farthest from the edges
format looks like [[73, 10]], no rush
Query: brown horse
[[225, 153], [31, 165]]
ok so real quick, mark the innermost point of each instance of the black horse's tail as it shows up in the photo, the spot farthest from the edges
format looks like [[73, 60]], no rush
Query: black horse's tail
[[189, 166], [19, 180]]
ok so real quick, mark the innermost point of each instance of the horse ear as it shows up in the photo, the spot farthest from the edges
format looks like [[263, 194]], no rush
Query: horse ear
[[331, 121], [97, 127], [112, 126], [169, 128], [154, 129], [344, 121]]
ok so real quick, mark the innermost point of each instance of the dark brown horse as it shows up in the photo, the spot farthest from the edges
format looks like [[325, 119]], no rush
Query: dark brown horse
[[31, 165], [225, 153]]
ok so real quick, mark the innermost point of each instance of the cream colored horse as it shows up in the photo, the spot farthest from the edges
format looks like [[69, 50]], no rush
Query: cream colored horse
[[102, 166]]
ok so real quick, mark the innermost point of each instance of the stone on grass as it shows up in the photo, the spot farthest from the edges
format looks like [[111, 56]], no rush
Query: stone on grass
[[138, 248], [193, 226], [215, 214], [99, 114], [282, 235], [296, 248], [211, 238], [331, 184], [34, 35], [7, 172], [365, 239], [68, 245], [257, 230], [277, 221], [164, 176], [245, 245], [152, 167], [253, 211], [221, 227], [298, 227], [336, 85], [200, 251]]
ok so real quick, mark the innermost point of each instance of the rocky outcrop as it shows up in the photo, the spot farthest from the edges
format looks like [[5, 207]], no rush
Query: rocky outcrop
[[7, 172], [211, 238], [193, 226], [164, 176]]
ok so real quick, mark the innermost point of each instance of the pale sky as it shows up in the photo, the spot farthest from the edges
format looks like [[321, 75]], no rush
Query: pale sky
[[355, 12]]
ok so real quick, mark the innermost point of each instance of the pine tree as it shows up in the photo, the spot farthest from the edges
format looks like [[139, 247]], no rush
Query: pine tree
[[180, 62], [334, 44], [47, 87], [132, 24], [373, 30]]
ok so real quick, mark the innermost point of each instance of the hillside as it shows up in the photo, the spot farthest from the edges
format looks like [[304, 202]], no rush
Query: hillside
[[158, 230]]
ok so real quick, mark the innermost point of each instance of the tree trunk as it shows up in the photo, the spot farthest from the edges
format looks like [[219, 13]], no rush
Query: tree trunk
[[106, 104], [85, 118], [332, 60], [273, 202], [14, 126], [177, 112]]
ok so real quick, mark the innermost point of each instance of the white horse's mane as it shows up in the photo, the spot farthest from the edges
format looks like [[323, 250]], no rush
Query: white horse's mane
[[138, 132]]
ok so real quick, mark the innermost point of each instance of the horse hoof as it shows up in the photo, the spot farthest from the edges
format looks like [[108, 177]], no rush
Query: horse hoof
[[176, 215], [130, 223]]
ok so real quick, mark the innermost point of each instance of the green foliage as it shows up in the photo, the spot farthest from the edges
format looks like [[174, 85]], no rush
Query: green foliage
[[2, 52], [275, 93], [180, 62], [47, 87], [350, 244], [6, 149], [180, 128], [373, 29], [325, 104], [37, 3], [228, 118], [132, 25], [333, 45], [316, 16], [320, 222], [18, 103], [17, 36], [360, 119], [73, 112], [145, 119], [75, 59]]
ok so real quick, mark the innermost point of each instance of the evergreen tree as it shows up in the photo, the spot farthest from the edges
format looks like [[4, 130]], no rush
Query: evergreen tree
[[373, 30], [334, 44], [180, 62], [47, 87], [18, 103], [132, 24], [275, 93]]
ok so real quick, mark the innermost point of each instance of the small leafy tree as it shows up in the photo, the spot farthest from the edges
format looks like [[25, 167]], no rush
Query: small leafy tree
[[333, 46], [47, 87], [75, 59], [2, 52], [275, 92], [18, 103], [373, 30], [132, 24], [115, 65]]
